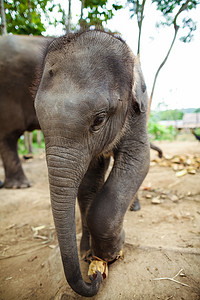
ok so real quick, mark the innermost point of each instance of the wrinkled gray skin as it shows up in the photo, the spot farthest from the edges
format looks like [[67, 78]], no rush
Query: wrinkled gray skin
[[19, 56], [91, 102]]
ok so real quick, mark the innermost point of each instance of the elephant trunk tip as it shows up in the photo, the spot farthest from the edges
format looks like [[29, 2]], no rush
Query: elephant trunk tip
[[88, 289], [96, 282]]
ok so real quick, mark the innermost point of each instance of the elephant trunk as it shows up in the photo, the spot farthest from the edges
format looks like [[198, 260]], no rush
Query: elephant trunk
[[66, 171]]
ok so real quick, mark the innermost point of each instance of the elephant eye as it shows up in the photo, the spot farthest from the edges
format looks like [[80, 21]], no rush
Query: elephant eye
[[98, 122]]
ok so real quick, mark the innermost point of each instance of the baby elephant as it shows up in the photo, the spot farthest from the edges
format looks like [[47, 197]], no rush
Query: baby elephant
[[91, 103]]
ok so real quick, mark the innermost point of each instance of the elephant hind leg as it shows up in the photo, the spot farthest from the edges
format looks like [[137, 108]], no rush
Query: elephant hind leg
[[91, 184], [14, 174]]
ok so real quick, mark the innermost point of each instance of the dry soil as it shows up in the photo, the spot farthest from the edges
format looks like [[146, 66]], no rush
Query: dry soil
[[162, 239]]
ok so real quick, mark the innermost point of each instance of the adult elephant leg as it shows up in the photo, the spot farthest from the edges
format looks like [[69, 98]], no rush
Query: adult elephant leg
[[14, 174], [106, 214], [90, 185]]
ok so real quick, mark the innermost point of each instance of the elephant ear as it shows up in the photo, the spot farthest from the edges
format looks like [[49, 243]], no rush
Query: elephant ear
[[139, 88]]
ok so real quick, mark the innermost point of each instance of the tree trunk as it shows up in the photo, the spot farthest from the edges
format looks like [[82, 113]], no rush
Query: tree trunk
[[3, 18], [39, 137], [28, 141], [176, 28], [29, 12], [158, 71], [140, 24], [68, 26], [82, 7], [81, 18]]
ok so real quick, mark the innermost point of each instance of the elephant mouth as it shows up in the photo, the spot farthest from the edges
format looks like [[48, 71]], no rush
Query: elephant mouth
[[88, 257], [97, 264]]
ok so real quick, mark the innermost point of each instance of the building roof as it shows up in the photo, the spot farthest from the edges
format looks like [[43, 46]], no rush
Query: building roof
[[176, 124], [190, 120]]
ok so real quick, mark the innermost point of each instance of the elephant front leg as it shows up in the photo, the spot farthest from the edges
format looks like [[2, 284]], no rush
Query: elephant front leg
[[14, 174], [90, 185], [106, 213]]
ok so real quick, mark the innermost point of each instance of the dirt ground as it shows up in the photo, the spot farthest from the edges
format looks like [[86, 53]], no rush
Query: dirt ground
[[162, 239]]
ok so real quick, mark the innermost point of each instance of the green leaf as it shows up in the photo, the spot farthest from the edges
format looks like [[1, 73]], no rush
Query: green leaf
[[24, 19]]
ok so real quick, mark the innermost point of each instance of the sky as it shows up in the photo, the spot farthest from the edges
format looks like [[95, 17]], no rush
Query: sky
[[178, 82]]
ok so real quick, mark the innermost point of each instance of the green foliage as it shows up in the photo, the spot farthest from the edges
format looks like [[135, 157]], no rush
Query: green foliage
[[170, 8], [25, 16], [21, 145], [191, 26], [136, 9], [167, 7], [157, 131], [98, 13], [197, 131], [161, 132], [197, 110], [170, 114]]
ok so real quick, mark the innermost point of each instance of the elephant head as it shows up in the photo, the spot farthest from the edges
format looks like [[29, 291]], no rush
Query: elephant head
[[91, 101]]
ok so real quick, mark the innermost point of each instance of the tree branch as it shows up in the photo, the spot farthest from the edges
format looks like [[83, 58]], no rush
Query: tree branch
[[183, 7], [3, 19], [140, 24], [68, 27], [173, 279], [176, 28]]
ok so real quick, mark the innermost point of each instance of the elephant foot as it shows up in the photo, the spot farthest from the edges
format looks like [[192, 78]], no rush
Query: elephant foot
[[135, 206], [16, 184], [86, 256], [108, 249]]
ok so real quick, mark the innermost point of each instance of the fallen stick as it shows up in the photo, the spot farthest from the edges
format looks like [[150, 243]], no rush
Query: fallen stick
[[173, 279], [24, 253]]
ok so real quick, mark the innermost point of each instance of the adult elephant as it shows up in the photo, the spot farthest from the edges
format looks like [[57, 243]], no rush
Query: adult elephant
[[91, 102], [19, 56]]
